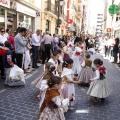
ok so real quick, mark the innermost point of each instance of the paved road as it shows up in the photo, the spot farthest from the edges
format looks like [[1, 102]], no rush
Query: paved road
[[19, 103]]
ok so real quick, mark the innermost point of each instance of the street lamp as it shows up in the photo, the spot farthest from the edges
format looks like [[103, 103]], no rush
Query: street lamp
[[58, 21]]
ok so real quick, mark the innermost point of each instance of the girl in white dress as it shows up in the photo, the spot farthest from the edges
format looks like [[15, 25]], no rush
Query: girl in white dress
[[70, 46], [65, 51], [77, 58], [68, 77], [60, 61], [53, 105], [99, 87], [92, 52], [54, 60]]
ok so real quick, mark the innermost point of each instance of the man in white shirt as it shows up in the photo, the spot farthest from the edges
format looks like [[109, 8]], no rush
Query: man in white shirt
[[36, 39], [47, 39]]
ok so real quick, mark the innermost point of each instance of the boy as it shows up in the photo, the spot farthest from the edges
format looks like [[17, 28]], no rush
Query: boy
[[7, 59]]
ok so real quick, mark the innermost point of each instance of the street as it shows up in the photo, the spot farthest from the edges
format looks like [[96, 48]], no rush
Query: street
[[20, 103]]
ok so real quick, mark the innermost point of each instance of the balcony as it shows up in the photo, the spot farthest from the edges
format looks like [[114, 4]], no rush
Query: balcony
[[49, 7]]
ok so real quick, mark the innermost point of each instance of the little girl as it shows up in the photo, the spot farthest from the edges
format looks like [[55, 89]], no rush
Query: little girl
[[86, 73], [91, 52], [68, 77], [65, 51], [99, 87], [60, 61], [54, 60], [77, 58], [41, 81], [52, 107]]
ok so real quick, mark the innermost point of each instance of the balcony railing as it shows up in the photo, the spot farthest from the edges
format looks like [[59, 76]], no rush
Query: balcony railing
[[50, 7]]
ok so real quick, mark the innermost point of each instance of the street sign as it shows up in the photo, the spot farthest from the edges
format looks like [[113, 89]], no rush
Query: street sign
[[113, 9]]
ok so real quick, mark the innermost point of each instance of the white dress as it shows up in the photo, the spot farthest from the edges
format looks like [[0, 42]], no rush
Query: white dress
[[43, 88], [77, 60], [55, 63], [92, 52], [68, 88], [70, 45], [99, 88]]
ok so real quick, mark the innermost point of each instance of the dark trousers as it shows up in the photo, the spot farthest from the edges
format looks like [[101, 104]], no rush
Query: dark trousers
[[115, 57], [2, 66], [19, 60], [106, 51], [47, 52], [35, 53]]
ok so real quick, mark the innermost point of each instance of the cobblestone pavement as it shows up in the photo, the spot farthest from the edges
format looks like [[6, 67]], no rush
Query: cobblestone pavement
[[110, 110], [20, 103]]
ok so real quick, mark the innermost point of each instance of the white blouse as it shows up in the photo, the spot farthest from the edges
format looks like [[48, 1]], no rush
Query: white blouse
[[60, 102], [2, 39], [97, 75]]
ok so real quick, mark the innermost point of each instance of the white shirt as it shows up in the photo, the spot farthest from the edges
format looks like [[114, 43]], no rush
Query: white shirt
[[36, 39], [2, 39], [6, 35]]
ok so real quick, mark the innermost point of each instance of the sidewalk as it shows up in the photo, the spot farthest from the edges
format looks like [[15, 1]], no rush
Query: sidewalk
[[85, 110]]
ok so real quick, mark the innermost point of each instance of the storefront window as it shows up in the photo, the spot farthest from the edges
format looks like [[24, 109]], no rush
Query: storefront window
[[2, 17], [25, 21]]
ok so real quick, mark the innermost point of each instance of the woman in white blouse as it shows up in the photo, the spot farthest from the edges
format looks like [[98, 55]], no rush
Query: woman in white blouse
[[2, 41]]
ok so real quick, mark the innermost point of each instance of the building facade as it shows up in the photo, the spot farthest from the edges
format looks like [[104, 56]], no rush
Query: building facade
[[50, 14], [99, 24], [20, 13]]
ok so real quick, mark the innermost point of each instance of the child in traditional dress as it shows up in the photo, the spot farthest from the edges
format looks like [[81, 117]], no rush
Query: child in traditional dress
[[60, 61], [77, 58], [70, 46], [99, 87], [86, 73], [92, 51], [41, 81], [68, 77], [65, 51], [53, 104], [54, 59]]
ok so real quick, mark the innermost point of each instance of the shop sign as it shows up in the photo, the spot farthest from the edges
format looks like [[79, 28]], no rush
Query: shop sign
[[70, 21], [5, 3], [26, 10]]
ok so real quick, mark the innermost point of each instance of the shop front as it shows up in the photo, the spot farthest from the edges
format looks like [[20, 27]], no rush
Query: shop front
[[14, 14], [4, 6]]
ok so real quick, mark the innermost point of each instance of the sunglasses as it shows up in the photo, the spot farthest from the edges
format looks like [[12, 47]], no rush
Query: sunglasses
[[2, 31]]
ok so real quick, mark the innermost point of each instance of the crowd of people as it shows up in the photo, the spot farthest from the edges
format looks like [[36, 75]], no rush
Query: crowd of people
[[67, 61]]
